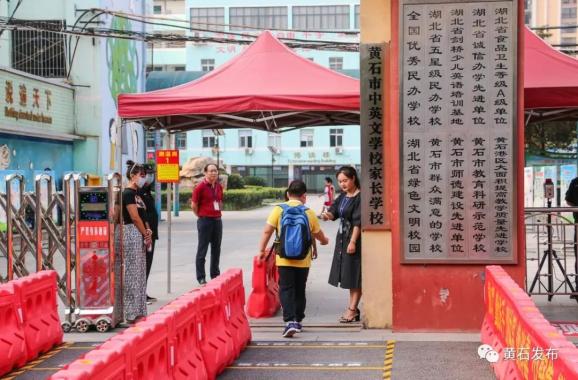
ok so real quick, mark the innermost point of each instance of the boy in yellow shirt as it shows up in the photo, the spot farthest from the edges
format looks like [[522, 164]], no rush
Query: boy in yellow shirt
[[290, 220]]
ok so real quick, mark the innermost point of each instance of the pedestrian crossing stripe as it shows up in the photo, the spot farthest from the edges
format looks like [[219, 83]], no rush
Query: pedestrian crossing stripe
[[388, 359]]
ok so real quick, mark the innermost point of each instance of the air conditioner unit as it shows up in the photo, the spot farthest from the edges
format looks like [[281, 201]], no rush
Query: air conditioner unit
[[338, 150], [248, 150]]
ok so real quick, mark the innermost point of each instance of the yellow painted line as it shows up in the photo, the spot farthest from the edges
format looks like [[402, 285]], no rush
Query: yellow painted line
[[388, 360], [311, 368], [30, 366], [45, 369], [317, 346]]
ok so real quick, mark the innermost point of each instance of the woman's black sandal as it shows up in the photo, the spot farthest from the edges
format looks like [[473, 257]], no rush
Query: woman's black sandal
[[355, 318]]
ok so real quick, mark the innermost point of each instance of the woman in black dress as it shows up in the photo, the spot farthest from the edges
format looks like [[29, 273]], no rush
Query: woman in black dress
[[346, 266]]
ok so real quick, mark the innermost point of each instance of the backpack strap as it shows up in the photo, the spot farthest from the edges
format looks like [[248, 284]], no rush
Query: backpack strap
[[284, 207]]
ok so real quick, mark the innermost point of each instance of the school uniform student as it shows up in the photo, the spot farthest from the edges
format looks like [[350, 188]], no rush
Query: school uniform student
[[296, 226]]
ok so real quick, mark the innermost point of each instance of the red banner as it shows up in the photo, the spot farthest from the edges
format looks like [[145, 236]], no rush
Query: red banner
[[92, 231], [526, 339]]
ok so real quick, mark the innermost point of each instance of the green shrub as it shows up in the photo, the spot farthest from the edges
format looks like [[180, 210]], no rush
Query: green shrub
[[235, 181], [255, 181], [234, 199], [244, 199]]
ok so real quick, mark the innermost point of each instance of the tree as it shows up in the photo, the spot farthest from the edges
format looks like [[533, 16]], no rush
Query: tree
[[545, 138], [543, 33]]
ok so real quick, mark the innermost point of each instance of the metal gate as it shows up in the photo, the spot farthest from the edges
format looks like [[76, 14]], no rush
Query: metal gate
[[40, 227]]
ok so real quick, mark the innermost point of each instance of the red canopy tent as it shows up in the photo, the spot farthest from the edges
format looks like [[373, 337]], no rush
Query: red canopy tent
[[267, 87], [550, 81]]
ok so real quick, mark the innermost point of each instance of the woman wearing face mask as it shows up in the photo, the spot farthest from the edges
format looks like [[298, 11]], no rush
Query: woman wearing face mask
[[346, 266], [136, 235], [152, 219]]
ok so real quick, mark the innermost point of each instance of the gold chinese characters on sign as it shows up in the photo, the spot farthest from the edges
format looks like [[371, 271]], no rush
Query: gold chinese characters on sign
[[35, 108]]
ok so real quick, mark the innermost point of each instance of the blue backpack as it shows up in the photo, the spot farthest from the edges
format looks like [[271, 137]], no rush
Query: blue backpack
[[295, 239]]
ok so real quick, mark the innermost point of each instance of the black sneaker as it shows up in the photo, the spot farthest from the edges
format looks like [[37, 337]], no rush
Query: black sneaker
[[290, 329], [202, 282], [298, 326]]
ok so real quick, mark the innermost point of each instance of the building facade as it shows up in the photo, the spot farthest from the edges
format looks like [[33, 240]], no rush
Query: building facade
[[59, 92], [559, 13], [308, 153]]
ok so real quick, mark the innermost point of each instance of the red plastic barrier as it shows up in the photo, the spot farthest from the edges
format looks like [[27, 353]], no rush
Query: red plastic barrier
[[217, 346], [150, 349], [233, 295], [512, 321], [184, 320], [111, 360], [42, 329], [12, 343], [264, 298]]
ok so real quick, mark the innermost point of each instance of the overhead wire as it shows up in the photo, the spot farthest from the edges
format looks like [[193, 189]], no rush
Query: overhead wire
[[12, 15], [244, 35], [145, 36], [244, 27]]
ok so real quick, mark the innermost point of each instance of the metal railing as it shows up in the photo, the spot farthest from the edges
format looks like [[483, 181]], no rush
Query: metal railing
[[551, 264]]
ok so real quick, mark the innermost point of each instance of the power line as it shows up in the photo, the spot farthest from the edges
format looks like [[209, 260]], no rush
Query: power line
[[146, 37], [243, 35], [12, 15], [244, 27]]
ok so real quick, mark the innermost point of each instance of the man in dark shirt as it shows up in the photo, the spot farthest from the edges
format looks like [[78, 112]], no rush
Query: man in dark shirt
[[572, 200], [207, 203], [152, 218]]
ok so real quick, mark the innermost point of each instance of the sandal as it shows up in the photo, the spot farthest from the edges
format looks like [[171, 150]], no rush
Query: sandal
[[356, 317]]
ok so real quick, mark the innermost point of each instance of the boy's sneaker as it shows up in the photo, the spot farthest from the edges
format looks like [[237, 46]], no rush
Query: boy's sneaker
[[298, 326], [290, 329]]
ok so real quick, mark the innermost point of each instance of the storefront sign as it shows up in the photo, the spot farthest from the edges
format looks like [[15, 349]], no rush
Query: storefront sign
[[32, 102], [373, 215], [168, 166], [458, 116]]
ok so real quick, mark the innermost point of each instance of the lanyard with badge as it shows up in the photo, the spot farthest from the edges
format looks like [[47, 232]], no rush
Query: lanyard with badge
[[342, 206], [214, 191]]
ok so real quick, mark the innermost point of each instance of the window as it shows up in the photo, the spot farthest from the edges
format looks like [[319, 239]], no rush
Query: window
[[207, 65], [257, 17], [209, 139], [179, 68], [274, 139], [336, 137], [311, 59], [568, 41], [150, 140], [157, 9], [39, 52], [568, 1], [181, 140], [208, 18], [306, 138], [356, 17], [336, 63], [569, 13], [321, 17], [245, 139]]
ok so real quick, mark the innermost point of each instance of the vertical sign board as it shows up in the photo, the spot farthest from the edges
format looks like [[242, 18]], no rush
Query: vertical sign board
[[372, 173], [168, 166], [458, 143]]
